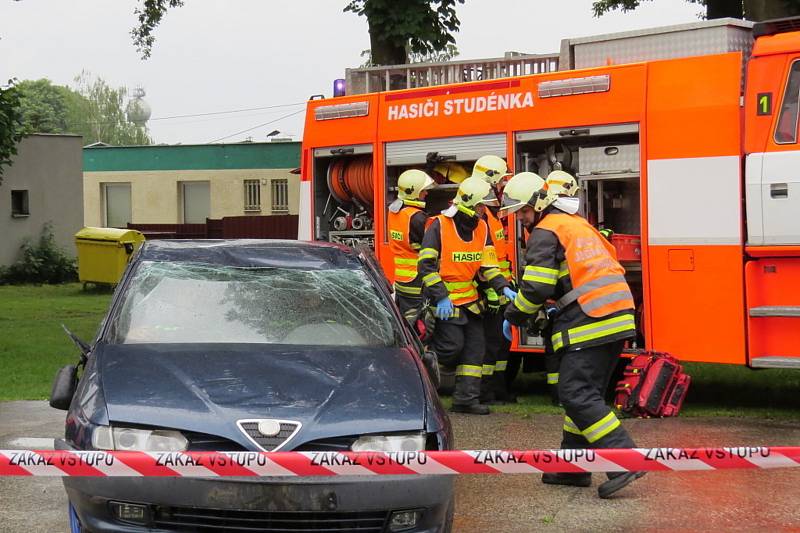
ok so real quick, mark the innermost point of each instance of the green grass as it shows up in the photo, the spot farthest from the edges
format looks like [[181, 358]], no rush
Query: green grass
[[716, 391], [32, 344]]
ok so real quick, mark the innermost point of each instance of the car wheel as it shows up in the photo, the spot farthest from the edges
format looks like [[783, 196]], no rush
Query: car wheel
[[447, 380], [447, 527], [74, 522]]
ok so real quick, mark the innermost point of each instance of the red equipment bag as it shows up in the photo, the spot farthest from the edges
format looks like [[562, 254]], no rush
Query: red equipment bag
[[654, 385]]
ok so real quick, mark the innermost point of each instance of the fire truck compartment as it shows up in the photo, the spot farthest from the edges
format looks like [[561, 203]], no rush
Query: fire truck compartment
[[344, 194], [773, 318], [606, 162]]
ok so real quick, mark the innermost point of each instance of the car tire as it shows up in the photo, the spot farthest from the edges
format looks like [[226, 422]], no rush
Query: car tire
[[447, 527]]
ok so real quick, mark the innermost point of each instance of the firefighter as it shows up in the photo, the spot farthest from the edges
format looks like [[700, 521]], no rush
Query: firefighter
[[457, 250], [494, 390], [567, 259], [406, 227], [558, 183]]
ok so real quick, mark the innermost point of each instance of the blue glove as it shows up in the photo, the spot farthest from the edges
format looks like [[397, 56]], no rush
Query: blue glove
[[444, 309], [510, 294], [507, 329]]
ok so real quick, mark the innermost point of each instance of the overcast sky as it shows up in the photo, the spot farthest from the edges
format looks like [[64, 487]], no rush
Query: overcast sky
[[220, 55]]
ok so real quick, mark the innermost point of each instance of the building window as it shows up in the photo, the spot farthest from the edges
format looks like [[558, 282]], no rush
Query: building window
[[280, 196], [117, 204], [19, 204], [196, 201], [252, 195]]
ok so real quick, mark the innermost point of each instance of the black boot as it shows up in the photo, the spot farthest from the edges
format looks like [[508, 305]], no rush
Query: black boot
[[616, 482], [471, 409], [573, 480]]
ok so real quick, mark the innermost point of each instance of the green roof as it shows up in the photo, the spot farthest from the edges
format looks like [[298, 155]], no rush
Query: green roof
[[192, 157]]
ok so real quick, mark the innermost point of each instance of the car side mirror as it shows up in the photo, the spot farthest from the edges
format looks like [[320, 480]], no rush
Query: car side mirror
[[64, 386]]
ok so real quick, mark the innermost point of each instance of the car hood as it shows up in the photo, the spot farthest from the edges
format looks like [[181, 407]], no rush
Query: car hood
[[206, 388]]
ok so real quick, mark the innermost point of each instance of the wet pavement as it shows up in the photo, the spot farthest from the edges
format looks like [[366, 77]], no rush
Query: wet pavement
[[738, 500]]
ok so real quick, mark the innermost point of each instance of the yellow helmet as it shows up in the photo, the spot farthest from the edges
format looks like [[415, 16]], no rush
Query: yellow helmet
[[560, 183], [411, 183], [453, 172], [526, 188], [473, 191], [490, 168]]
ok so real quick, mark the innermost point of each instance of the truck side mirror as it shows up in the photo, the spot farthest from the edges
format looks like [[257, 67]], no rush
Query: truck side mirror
[[64, 386]]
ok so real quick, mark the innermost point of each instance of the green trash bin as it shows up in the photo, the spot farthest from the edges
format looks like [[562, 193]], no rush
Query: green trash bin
[[103, 253]]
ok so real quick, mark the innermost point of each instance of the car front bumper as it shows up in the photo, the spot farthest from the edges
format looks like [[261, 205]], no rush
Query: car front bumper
[[182, 504]]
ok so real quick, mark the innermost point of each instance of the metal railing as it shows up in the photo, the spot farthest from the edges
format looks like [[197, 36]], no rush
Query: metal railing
[[395, 77]]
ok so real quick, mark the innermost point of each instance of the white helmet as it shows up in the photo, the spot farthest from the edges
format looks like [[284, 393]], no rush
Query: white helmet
[[490, 168], [411, 183], [473, 191], [526, 188], [560, 183]]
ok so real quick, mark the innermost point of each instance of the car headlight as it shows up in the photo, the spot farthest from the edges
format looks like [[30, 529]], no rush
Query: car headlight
[[412, 442], [140, 440]]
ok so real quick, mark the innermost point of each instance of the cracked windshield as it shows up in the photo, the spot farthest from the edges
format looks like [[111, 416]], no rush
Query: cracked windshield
[[197, 303]]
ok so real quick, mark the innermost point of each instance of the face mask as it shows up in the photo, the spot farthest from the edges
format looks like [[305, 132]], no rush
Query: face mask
[[568, 204]]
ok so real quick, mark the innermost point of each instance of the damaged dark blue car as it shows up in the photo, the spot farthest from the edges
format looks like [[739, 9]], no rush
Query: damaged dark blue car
[[254, 345]]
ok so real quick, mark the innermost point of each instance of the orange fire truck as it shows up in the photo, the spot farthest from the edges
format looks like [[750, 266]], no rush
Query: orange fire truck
[[684, 141]]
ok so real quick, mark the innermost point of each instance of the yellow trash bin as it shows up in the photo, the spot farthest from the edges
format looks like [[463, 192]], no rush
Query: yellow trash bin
[[103, 253]]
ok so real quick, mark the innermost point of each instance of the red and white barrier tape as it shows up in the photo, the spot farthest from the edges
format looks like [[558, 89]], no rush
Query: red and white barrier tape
[[279, 464]]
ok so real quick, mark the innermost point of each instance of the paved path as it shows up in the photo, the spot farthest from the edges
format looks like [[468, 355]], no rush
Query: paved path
[[715, 501]]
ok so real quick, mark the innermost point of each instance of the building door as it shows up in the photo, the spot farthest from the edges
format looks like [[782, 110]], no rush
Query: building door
[[196, 201], [117, 200]]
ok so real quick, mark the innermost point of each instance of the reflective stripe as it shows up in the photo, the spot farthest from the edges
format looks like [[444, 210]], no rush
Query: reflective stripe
[[557, 341], [504, 265], [570, 427], [599, 302], [473, 371], [428, 253], [415, 246], [405, 273], [405, 289], [492, 273], [563, 270], [488, 370], [406, 261], [525, 305], [552, 378], [455, 285], [461, 290], [548, 276], [431, 279], [601, 428], [601, 329], [596, 283], [500, 366]]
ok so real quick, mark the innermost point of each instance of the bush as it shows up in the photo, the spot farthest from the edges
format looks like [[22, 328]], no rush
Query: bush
[[42, 262]]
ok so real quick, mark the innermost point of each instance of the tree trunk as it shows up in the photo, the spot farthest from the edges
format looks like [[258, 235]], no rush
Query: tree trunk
[[771, 9], [383, 52], [717, 9]]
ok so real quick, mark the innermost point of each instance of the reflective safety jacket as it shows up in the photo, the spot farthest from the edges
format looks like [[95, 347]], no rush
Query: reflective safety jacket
[[456, 252], [569, 261], [501, 244], [406, 229]]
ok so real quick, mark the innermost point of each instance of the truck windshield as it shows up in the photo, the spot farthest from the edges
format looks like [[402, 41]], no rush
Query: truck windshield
[[198, 303]]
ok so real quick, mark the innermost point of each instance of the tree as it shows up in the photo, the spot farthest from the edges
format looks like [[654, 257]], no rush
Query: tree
[[102, 114], [45, 107], [93, 110], [396, 28], [750, 9], [449, 53], [10, 124]]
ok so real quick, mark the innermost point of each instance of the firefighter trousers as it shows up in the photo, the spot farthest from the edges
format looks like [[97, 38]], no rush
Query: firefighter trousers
[[459, 344], [495, 360], [409, 306], [583, 378], [552, 362]]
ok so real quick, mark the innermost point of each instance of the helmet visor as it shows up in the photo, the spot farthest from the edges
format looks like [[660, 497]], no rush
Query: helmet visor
[[490, 199]]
